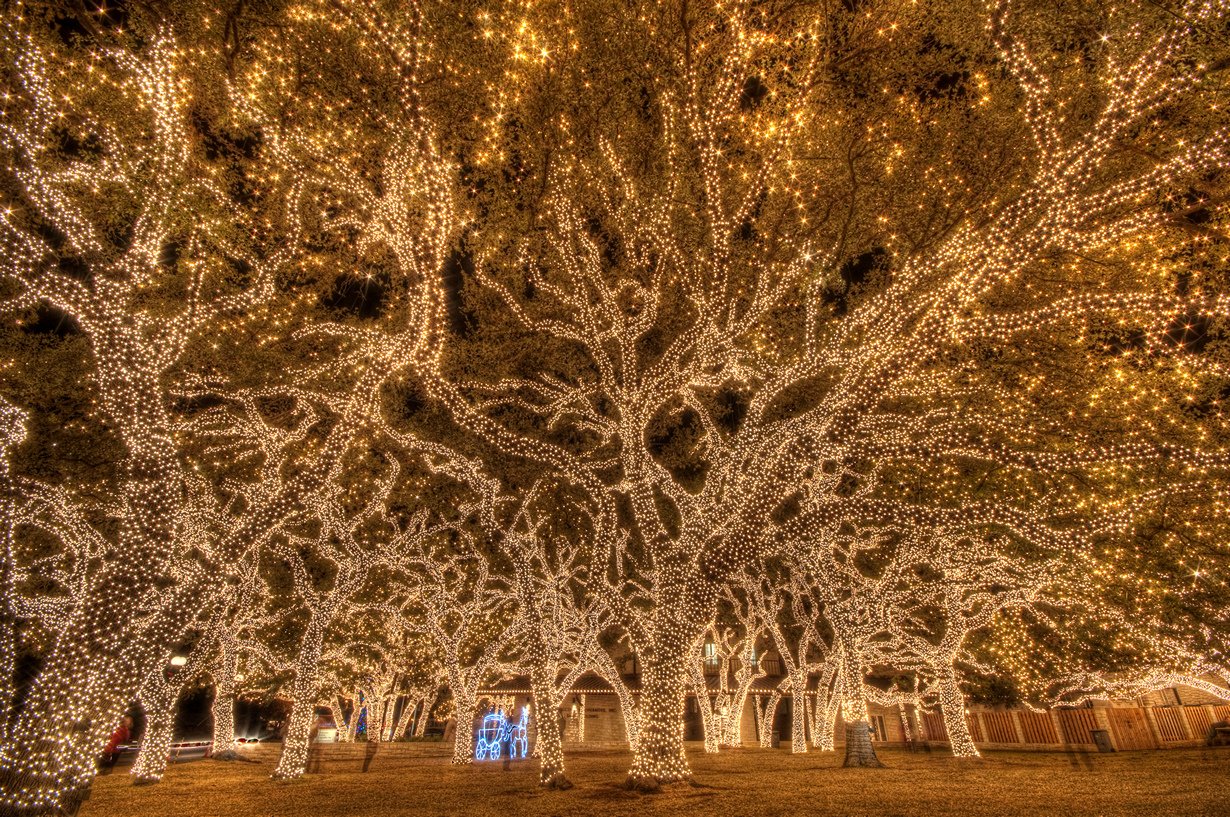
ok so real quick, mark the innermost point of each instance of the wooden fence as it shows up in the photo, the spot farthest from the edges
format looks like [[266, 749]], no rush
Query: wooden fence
[[975, 727], [1000, 728], [1077, 726], [1130, 727], [1170, 724], [1200, 719], [1038, 727], [934, 724]]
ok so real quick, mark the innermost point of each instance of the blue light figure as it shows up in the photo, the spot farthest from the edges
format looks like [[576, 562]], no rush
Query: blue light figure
[[490, 736], [496, 730], [519, 737]]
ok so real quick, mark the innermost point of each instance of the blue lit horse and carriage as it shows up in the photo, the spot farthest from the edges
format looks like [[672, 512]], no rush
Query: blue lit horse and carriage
[[496, 731]]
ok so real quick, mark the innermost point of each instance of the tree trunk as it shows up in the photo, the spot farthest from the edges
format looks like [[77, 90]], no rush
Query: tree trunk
[[464, 707], [631, 714], [548, 743], [709, 722], [825, 736], [766, 721], [105, 650], [952, 705], [798, 729], [734, 724], [376, 710], [905, 723], [224, 723], [155, 751], [700, 688], [352, 725], [859, 751], [403, 718], [420, 726], [659, 756], [223, 708], [298, 740], [824, 710], [81, 691]]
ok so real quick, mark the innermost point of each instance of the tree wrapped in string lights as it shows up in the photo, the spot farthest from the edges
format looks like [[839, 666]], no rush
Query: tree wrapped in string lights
[[631, 277], [969, 588], [782, 602], [142, 303], [720, 648], [113, 220], [12, 433], [159, 698], [748, 299], [560, 623], [468, 614]]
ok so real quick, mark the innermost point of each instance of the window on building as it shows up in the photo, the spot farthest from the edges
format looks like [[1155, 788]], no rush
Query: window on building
[[712, 662]]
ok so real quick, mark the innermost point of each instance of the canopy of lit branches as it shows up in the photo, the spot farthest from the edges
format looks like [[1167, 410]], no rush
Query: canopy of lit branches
[[366, 352]]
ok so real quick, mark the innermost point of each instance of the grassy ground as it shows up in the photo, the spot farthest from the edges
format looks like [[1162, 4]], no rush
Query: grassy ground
[[413, 779]]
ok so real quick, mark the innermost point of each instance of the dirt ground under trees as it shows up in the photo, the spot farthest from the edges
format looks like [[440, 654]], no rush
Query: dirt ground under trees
[[417, 779]]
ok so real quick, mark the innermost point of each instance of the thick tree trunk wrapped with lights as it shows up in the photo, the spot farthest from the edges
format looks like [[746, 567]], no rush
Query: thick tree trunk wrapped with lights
[[292, 762], [711, 730], [827, 722], [222, 708], [423, 715], [352, 723], [767, 718], [659, 757], [402, 724], [952, 705], [160, 697], [155, 750], [465, 711], [548, 742], [749, 672], [859, 750], [798, 711]]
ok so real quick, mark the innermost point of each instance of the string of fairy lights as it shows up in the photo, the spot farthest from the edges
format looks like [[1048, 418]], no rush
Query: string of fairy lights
[[805, 351]]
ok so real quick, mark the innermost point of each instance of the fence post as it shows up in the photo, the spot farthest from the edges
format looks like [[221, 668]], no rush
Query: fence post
[[1016, 724], [1061, 737], [1187, 727], [1102, 718], [1152, 721]]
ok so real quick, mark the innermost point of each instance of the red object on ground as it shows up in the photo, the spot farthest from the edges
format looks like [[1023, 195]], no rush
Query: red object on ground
[[120, 735]]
